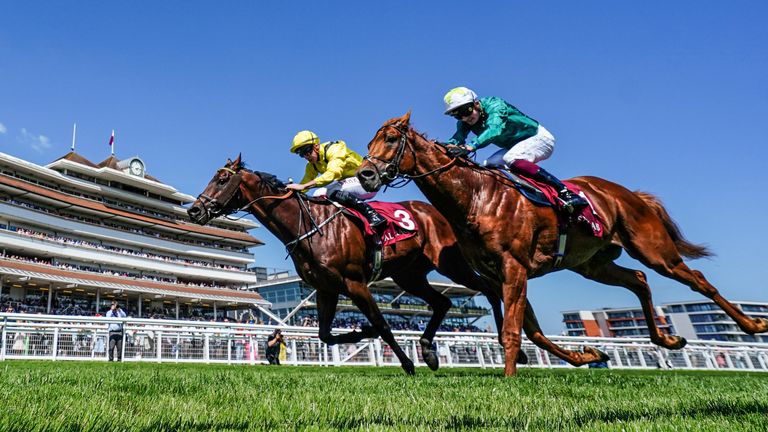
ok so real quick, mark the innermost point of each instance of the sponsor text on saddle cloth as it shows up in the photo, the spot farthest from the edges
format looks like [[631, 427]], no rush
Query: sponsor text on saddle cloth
[[587, 215], [400, 223]]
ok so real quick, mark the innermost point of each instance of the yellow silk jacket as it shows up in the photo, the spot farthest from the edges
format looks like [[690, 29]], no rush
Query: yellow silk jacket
[[335, 162]]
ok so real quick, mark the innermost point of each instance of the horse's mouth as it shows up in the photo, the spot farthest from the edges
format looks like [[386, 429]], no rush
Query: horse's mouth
[[198, 216], [369, 180]]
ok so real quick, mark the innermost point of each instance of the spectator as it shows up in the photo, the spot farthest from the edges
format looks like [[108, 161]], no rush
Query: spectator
[[274, 341], [115, 332]]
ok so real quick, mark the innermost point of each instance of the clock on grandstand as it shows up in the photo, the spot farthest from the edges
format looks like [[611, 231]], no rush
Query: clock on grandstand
[[132, 166], [137, 167]]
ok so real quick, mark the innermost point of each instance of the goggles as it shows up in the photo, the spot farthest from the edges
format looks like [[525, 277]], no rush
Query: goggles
[[463, 111], [305, 151]]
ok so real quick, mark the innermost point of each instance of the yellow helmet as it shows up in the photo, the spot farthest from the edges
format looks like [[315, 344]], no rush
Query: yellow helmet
[[303, 139]]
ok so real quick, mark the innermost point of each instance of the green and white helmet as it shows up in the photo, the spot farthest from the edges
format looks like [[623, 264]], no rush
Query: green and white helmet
[[457, 97]]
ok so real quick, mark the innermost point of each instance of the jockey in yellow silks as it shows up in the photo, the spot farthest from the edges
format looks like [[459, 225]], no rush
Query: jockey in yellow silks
[[331, 168]]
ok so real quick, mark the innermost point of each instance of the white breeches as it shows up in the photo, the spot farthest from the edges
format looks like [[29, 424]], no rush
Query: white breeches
[[349, 184]]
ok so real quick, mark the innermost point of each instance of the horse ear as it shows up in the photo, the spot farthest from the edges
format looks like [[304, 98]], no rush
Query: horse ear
[[406, 119], [236, 163], [229, 162]]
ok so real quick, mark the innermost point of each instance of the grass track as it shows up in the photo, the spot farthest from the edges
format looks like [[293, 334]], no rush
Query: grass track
[[96, 396]]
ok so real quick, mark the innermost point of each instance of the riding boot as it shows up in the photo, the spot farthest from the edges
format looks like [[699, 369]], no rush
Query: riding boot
[[570, 200], [350, 200]]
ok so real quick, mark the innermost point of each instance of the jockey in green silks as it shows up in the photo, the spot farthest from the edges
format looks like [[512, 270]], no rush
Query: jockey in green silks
[[523, 141]]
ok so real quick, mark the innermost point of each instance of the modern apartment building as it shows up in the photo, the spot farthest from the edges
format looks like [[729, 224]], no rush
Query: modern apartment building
[[702, 320]]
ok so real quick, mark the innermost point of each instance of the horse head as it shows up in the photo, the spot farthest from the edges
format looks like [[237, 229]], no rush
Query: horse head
[[221, 196], [387, 158], [232, 189]]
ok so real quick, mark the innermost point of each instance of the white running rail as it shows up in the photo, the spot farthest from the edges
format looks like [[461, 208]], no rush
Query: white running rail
[[55, 337]]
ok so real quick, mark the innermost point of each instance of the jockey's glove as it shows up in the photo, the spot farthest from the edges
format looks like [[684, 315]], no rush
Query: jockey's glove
[[457, 151]]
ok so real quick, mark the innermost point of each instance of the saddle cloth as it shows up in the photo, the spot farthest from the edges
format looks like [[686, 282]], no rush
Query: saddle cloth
[[401, 224], [586, 215]]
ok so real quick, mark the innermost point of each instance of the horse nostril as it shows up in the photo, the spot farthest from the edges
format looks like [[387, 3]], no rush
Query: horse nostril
[[366, 174]]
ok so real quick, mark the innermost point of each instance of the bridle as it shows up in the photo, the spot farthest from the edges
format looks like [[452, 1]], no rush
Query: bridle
[[213, 207], [391, 170]]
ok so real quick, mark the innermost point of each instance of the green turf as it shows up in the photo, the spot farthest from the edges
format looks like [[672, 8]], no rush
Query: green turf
[[97, 396]]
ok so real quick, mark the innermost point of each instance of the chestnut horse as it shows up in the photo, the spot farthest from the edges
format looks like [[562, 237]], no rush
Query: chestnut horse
[[510, 240], [335, 261]]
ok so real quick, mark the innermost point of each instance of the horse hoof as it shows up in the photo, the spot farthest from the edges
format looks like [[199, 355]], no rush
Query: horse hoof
[[762, 325], [679, 343], [598, 355], [409, 368], [522, 357], [429, 353], [430, 358]]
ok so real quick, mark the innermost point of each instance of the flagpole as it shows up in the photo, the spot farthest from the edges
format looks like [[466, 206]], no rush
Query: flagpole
[[74, 134], [112, 142]]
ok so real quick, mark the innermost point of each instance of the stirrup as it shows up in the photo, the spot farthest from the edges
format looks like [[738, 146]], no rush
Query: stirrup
[[376, 221], [571, 201]]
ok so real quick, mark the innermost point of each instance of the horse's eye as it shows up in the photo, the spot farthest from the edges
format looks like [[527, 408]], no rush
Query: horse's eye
[[391, 139], [223, 180]]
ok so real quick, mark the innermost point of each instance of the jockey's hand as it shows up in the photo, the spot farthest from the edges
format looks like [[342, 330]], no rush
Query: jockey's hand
[[296, 186], [457, 151]]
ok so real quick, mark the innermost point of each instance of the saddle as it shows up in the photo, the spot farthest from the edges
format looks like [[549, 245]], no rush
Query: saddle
[[542, 194]]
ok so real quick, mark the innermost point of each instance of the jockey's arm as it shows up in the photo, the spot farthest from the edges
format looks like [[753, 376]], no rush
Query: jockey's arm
[[494, 128], [307, 181], [460, 137]]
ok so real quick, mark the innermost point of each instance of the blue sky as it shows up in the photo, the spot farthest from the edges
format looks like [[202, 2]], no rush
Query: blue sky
[[665, 97]]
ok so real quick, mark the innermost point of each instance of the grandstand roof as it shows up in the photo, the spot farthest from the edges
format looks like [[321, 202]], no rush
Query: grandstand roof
[[54, 274]]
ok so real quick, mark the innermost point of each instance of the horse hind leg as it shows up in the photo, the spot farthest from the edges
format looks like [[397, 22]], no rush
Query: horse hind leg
[[697, 282], [610, 273], [663, 257]]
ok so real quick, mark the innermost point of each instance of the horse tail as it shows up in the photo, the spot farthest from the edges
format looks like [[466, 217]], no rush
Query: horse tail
[[684, 247]]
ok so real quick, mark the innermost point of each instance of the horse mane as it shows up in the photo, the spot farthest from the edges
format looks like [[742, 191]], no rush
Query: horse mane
[[270, 180], [276, 185]]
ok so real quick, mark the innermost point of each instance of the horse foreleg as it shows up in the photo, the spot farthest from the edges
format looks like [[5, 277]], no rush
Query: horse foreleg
[[361, 296], [420, 287], [326, 310], [514, 288], [535, 335]]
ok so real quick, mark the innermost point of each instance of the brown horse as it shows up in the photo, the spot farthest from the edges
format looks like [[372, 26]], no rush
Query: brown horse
[[507, 238], [335, 261]]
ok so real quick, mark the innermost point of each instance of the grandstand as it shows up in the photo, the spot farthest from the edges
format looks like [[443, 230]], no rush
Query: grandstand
[[76, 235]]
